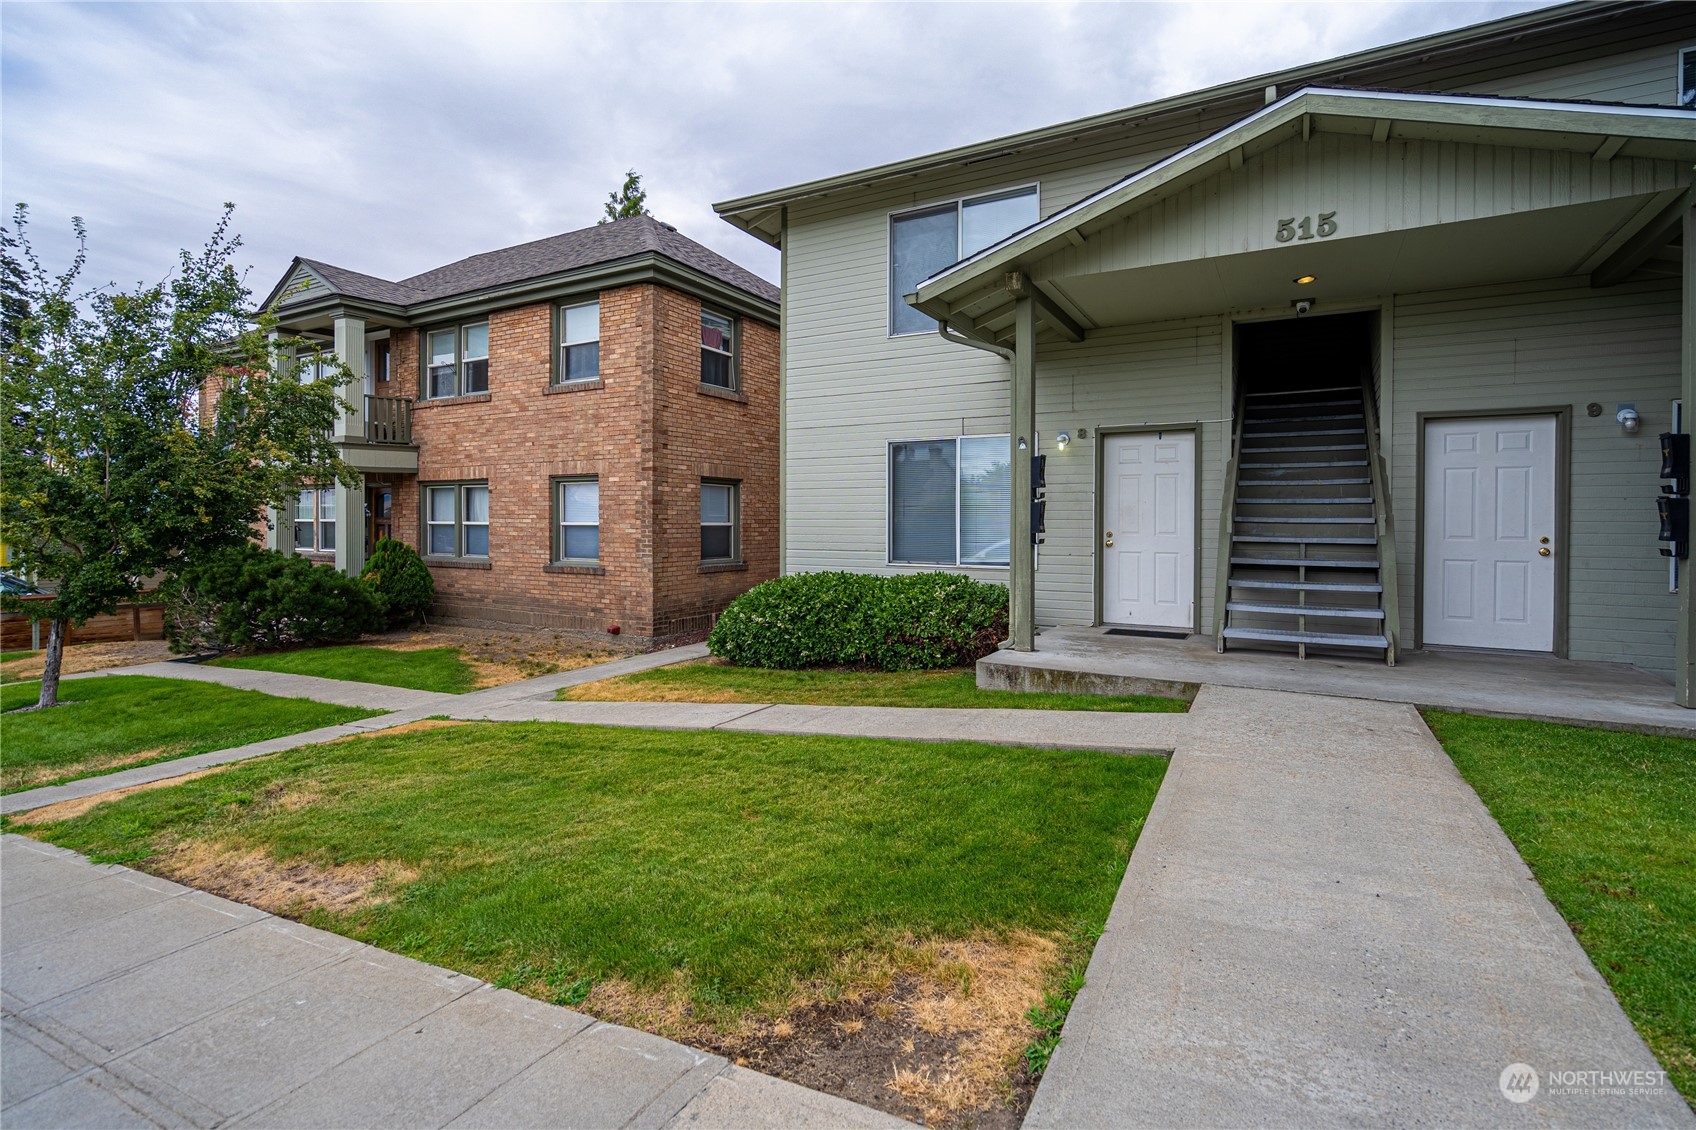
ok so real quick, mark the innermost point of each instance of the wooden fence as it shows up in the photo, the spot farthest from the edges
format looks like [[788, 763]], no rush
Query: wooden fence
[[143, 621]]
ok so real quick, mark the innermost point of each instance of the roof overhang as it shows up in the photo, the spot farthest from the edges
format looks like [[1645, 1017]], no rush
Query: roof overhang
[[988, 280]]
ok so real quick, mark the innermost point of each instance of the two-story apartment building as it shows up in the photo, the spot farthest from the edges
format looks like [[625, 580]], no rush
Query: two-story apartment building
[[1358, 357], [577, 433]]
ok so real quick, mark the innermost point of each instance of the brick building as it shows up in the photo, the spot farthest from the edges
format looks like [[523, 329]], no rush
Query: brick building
[[576, 433]]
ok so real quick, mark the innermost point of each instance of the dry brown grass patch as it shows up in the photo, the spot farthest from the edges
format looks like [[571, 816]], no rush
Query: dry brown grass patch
[[71, 809], [622, 689], [408, 728], [256, 878], [33, 775], [87, 657], [499, 658]]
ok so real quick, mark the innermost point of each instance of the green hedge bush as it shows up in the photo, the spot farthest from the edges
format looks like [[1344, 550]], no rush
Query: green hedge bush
[[909, 623], [247, 597], [401, 581]]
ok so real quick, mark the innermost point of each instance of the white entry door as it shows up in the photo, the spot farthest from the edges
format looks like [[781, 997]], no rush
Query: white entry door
[[1148, 530], [1490, 547]]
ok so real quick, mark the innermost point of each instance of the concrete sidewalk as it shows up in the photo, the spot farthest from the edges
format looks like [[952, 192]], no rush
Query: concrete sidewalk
[[1321, 925], [340, 692], [132, 1001]]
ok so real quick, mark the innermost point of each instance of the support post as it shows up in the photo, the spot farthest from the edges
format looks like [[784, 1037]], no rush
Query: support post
[[350, 528], [1685, 675], [1021, 554], [350, 350]]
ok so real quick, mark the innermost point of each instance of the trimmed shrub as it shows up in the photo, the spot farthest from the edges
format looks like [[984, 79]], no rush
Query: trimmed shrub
[[247, 597], [400, 580], [909, 623]]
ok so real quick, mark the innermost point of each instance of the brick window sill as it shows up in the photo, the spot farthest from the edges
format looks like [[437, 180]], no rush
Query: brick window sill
[[444, 401], [723, 567], [317, 556], [723, 393], [573, 386], [456, 563], [576, 570]]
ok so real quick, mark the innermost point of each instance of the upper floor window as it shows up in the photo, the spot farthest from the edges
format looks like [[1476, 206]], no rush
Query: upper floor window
[[315, 520], [1687, 78], [579, 342], [924, 241], [718, 350], [718, 521], [457, 360], [456, 520]]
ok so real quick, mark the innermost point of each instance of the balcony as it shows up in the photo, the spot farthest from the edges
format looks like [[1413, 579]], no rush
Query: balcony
[[388, 419], [381, 441]]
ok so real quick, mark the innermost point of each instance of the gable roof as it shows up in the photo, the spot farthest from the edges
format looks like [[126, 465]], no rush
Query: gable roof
[[613, 242], [1400, 66]]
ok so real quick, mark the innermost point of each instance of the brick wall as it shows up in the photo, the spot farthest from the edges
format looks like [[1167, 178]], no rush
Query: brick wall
[[644, 429]]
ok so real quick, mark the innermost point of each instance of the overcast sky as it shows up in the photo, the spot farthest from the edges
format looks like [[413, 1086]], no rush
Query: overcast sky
[[392, 138]]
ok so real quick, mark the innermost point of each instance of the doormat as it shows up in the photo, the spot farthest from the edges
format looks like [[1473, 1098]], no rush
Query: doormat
[[1148, 632]]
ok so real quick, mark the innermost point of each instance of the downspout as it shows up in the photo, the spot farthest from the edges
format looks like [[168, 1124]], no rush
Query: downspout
[[950, 336]]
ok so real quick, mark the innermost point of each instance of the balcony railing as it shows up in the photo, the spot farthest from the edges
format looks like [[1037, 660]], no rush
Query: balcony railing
[[388, 419]]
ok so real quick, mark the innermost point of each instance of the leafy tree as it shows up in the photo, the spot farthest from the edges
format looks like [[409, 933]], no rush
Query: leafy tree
[[630, 200], [110, 479]]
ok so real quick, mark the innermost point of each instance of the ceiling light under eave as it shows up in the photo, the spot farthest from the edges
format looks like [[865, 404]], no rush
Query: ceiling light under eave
[[1303, 280]]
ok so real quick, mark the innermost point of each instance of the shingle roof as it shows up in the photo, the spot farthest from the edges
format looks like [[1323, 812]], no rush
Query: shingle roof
[[588, 247]]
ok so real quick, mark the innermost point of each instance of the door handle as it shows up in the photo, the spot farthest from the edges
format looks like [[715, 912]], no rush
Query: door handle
[[1544, 552], [1109, 539]]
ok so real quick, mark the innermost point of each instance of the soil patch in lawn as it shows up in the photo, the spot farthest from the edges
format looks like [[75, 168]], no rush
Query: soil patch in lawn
[[502, 657], [86, 657], [258, 879]]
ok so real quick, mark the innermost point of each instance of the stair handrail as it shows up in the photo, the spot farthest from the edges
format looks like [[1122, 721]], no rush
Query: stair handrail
[[1227, 520], [1384, 522]]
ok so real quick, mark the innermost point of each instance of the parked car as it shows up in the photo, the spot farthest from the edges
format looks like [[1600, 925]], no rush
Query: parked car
[[17, 586]]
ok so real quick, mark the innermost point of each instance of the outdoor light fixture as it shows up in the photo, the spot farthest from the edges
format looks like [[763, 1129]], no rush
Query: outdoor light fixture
[[1023, 446], [1629, 419], [1304, 280], [1062, 440]]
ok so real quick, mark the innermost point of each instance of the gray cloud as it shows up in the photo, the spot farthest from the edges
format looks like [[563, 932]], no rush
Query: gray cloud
[[391, 138]]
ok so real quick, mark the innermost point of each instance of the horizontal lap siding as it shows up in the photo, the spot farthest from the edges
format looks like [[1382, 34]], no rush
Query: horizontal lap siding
[[1548, 344], [1644, 77], [1163, 373]]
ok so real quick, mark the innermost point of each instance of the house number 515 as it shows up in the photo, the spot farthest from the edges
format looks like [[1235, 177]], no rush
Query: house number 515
[[1303, 228]]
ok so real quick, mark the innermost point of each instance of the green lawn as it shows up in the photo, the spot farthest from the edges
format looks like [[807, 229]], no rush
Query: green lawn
[[1607, 822], [8, 656], [716, 682], [430, 669], [735, 869], [121, 720]]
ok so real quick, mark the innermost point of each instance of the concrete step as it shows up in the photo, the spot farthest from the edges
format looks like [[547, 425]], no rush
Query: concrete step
[[1321, 610], [1306, 586], [1325, 639]]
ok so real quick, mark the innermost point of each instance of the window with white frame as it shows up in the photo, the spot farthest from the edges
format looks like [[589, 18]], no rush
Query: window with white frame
[[315, 520], [578, 505], [949, 501], [925, 240], [457, 360], [579, 342], [456, 520], [718, 521], [718, 350], [1687, 78]]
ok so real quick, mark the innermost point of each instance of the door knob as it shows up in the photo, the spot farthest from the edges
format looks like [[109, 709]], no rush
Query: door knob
[[1544, 552], [1109, 539]]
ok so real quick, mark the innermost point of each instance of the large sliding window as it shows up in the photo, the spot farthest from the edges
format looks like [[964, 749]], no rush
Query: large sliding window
[[949, 501], [457, 360], [456, 520], [924, 241]]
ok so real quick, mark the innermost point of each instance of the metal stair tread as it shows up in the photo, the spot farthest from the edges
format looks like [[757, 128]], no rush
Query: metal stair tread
[[1313, 562], [1310, 419], [1304, 391], [1304, 433], [1297, 448], [1321, 610], [1326, 521], [1281, 635], [1241, 501], [1306, 465], [1318, 586], [1354, 482], [1289, 539]]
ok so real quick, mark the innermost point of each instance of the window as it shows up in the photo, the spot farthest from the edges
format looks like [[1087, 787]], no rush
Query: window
[[718, 521], [949, 501], [457, 360], [456, 520], [922, 243], [316, 365], [315, 520], [718, 350], [579, 342], [381, 354], [1687, 78], [578, 503]]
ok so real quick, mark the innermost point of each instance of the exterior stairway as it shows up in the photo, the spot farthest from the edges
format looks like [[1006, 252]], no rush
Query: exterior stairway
[[1305, 566]]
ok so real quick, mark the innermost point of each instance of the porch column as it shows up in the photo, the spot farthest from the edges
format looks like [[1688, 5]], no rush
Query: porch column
[[350, 349], [280, 536], [1685, 676], [350, 528], [1021, 554]]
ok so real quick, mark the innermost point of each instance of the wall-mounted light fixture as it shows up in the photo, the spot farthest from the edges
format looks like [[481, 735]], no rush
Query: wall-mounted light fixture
[[1061, 440], [1628, 418], [1023, 446]]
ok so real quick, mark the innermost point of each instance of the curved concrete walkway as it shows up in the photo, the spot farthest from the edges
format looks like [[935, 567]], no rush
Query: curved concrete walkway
[[132, 1001], [1321, 925]]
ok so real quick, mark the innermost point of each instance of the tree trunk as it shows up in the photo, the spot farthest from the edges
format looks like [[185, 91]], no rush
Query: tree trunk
[[55, 660]]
